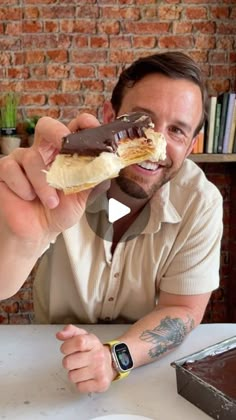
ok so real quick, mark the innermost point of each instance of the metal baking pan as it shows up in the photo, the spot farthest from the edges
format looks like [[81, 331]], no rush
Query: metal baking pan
[[208, 398]]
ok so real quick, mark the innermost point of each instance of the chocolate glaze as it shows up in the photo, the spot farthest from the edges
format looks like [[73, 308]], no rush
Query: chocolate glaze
[[105, 138], [218, 370]]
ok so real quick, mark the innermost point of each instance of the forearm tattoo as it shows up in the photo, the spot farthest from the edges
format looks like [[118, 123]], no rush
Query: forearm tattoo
[[167, 335]]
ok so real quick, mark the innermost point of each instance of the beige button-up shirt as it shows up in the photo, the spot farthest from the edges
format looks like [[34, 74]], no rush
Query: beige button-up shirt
[[178, 251]]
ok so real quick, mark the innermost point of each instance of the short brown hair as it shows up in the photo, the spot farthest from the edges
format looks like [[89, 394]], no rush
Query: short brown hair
[[175, 65]]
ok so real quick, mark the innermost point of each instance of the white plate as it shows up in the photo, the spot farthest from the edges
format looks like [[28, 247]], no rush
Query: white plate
[[121, 417]]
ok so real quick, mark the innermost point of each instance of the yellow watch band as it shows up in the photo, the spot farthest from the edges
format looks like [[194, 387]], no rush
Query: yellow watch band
[[120, 374]]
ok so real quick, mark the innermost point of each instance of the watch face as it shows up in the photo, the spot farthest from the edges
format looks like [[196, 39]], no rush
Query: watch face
[[123, 356]]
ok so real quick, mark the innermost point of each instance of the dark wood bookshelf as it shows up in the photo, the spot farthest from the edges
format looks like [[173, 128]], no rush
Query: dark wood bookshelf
[[212, 157]]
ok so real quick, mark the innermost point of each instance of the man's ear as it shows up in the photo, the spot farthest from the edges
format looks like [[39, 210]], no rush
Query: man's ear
[[192, 144], [108, 112]]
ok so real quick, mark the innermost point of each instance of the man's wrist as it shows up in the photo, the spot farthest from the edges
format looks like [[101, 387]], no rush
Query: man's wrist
[[122, 361]]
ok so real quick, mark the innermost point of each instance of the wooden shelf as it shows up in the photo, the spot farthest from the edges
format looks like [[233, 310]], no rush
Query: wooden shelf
[[211, 157]]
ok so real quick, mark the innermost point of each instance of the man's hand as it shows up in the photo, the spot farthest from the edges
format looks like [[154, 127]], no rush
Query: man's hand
[[32, 213], [87, 360], [29, 206]]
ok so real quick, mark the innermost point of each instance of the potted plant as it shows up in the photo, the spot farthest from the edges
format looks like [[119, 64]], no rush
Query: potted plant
[[29, 126], [8, 118]]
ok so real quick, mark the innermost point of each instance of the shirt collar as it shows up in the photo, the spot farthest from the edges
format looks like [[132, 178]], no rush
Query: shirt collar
[[162, 211]]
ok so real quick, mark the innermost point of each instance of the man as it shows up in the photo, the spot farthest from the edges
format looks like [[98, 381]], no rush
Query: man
[[159, 280]]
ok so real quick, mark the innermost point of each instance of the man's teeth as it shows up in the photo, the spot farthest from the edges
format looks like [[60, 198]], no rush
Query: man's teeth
[[151, 166]]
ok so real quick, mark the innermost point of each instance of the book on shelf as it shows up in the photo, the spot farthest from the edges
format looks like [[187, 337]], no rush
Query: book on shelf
[[210, 124], [234, 142], [199, 144], [216, 127], [223, 99], [228, 121], [232, 130]]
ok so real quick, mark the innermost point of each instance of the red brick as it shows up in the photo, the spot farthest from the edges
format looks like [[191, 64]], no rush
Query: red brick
[[205, 42], [227, 28], [201, 56], [120, 13], [58, 56], [182, 27], [51, 26], [33, 57], [88, 56], [218, 57], [58, 71], [29, 26], [144, 41], [233, 13], [145, 2], [27, 100], [92, 85], [224, 43], [107, 71], [19, 72], [175, 41], [31, 12], [5, 58], [219, 12], [13, 28], [196, 13], [95, 99], [147, 27], [84, 71], [67, 114], [38, 71], [71, 86], [18, 58], [99, 41], [80, 41], [41, 85], [220, 71], [56, 12], [64, 99], [39, 41], [3, 319], [170, 12], [119, 41], [10, 13], [87, 11], [204, 27], [121, 56], [149, 12], [110, 27], [81, 26]]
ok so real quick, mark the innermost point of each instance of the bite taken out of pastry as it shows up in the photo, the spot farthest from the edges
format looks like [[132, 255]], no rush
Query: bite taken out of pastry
[[93, 155]]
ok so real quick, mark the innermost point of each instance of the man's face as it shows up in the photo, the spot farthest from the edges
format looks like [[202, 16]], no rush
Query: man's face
[[176, 108]]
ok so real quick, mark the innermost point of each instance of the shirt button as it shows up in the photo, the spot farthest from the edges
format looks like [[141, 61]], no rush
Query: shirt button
[[116, 275], [110, 299]]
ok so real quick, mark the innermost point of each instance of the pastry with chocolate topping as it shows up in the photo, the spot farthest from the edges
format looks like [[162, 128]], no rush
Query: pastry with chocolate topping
[[93, 155]]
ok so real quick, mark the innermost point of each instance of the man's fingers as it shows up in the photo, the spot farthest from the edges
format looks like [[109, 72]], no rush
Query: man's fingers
[[79, 343], [50, 131], [83, 121], [13, 176], [70, 331]]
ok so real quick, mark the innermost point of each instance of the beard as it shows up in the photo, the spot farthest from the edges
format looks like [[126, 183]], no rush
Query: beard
[[136, 186]]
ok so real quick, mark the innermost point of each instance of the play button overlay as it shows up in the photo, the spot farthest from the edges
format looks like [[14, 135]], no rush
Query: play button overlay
[[102, 213], [116, 210]]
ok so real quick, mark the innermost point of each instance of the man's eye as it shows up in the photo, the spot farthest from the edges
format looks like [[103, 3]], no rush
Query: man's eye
[[176, 134], [176, 130]]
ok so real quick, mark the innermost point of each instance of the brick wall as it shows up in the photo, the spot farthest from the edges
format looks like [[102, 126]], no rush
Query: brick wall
[[64, 57]]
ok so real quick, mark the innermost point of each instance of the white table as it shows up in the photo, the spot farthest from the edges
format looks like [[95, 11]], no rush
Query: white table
[[34, 384]]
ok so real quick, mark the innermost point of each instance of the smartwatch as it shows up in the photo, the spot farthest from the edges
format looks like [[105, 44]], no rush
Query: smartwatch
[[121, 358]]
